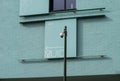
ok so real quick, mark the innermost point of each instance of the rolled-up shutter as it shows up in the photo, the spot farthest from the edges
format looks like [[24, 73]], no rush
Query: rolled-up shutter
[[33, 7], [90, 4]]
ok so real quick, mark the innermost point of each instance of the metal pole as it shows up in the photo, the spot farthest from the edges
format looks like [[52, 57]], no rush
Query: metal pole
[[65, 53], [64, 34]]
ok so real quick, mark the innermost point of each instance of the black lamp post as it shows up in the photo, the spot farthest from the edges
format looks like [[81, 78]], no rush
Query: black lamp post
[[64, 34]]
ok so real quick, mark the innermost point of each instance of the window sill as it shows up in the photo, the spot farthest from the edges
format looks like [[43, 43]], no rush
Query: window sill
[[92, 57], [56, 15]]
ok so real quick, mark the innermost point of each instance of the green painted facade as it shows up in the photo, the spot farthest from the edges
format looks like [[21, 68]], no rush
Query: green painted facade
[[95, 36]]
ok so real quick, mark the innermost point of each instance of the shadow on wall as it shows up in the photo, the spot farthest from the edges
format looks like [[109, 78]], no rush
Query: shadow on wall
[[82, 78]]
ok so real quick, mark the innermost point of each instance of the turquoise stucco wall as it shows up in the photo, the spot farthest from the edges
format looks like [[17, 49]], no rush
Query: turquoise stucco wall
[[95, 36]]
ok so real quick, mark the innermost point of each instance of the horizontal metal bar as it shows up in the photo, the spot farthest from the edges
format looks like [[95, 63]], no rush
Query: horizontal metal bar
[[70, 58], [62, 17], [33, 15], [92, 9], [75, 10], [63, 11]]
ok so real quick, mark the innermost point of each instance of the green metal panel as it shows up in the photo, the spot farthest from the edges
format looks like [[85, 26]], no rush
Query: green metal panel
[[33, 7], [90, 4], [54, 44]]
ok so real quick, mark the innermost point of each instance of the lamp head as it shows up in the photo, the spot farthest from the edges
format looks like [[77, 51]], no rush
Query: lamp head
[[62, 33]]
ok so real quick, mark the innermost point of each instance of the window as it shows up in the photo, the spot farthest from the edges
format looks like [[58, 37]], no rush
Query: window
[[71, 4], [57, 5]]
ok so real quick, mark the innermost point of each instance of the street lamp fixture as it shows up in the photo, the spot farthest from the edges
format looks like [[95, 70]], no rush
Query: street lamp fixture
[[63, 34]]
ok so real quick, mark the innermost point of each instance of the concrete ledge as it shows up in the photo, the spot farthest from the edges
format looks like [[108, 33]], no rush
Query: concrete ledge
[[64, 15]]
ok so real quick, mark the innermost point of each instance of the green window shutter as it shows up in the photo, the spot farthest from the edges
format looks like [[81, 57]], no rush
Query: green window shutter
[[54, 44], [90, 4], [33, 7]]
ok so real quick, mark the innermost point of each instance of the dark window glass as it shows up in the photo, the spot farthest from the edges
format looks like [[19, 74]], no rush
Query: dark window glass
[[58, 5], [51, 5], [70, 4]]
